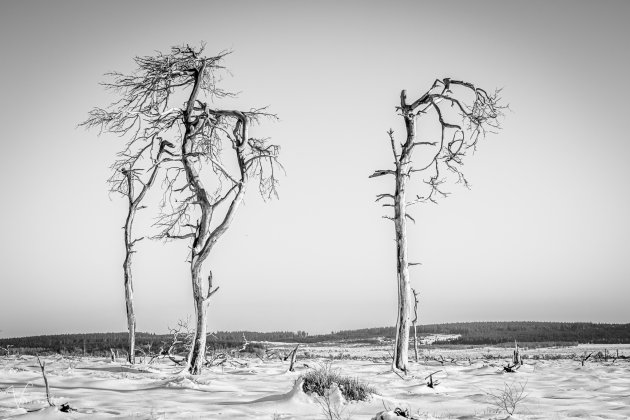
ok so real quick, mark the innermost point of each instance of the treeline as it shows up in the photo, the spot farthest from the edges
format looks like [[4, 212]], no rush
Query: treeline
[[471, 333], [89, 344], [501, 332], [303, 337]]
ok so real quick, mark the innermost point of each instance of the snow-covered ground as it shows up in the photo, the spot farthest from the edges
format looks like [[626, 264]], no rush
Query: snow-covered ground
[[100, 389]]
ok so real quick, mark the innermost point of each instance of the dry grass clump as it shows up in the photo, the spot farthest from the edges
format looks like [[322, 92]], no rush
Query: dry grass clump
[[319, 381]]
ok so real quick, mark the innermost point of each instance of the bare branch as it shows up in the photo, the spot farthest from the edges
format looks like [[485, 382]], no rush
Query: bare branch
[[382, 172], [382, 196], [390, 133]]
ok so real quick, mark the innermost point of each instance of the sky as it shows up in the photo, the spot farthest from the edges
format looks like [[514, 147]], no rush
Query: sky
[[541, 235]]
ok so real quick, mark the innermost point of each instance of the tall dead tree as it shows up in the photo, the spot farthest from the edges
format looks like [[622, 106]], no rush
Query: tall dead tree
[[464, 113], [207, 161], [207, 179], [198, 217]]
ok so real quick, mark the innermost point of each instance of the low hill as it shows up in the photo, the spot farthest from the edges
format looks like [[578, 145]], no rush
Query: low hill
[[471, 333]]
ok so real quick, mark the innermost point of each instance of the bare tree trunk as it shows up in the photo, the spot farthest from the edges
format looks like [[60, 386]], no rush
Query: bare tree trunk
[[204, 236], [134, 205], [131, 316], [401, 349], [128, 279], [43, 367], [402, 173], [197, 355], [131, 319]]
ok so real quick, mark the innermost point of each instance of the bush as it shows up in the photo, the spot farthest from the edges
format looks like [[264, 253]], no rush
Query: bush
[[509, 397], [320, 380]]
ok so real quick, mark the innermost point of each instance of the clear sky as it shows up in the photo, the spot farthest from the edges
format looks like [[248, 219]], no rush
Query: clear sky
[[542, 235]]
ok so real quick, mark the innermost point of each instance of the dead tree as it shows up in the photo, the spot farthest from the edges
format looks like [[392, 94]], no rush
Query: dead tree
[[214, 143], [139, 115], [511, 368], [431, 383], [182, 337], [204, 128], [195, 141], [134, 201], [464, 113], [43, 368], [293, 357], [516, 355]]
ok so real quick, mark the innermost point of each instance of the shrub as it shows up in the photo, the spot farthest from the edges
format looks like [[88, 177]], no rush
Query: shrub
[[319, 381], [509, 397]]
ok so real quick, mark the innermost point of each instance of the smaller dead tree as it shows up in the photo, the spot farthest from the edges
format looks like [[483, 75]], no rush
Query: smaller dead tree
[[511, 368], [516, 355], [259, 349], [131, 178], [143, 119], [431, 383], [42, 366], [584, 358], [145, 352], [442, 360], [615, 357], [215, 358], [182, 337], [293, 357]]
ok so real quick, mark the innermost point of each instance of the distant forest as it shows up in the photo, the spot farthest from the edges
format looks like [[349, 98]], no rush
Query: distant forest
[[472, 333]]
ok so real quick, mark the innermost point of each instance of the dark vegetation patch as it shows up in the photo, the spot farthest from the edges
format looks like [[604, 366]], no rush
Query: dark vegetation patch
[[319, 380]]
